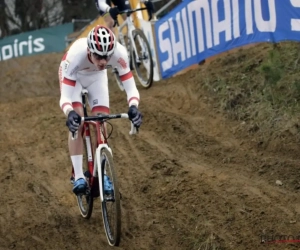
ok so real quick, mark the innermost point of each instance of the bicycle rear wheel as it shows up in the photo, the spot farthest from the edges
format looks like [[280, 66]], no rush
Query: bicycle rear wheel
[[111, 208], [142, 58], [118, 80], [85, 201]]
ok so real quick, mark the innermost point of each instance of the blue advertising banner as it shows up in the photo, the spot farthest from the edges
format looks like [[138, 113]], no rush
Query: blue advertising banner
[[198, 29], [35, 42]]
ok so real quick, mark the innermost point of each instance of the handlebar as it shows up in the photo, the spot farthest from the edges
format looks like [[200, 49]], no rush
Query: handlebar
[[129, 12], [102, 118]]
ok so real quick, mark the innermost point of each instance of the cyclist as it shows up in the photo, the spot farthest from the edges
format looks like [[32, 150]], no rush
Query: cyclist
[[84, 66], [104, 8]]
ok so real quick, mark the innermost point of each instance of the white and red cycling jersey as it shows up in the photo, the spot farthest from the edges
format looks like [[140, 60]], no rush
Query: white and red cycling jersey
[[77, 71], [104, 5]]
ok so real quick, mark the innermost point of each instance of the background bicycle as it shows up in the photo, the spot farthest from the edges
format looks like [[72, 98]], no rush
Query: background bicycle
[[138, 48], [100, 172]]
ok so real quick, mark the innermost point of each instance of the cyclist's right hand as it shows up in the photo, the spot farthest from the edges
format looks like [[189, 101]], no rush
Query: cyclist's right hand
[[73, 121], [135, 116], [150, 8], [114, 12]]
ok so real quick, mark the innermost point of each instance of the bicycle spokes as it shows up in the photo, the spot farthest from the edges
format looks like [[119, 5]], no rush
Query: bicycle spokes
[[141, 58], [111, 208]]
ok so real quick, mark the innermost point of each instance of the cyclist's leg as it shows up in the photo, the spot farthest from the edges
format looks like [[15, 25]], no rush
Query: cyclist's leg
[[76, 146]]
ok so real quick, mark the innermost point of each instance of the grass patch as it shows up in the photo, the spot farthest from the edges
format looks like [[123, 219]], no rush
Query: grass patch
[[260, 87]]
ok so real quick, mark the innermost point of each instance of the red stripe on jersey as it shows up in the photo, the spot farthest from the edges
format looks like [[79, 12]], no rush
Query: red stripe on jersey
[[126, 76], [100, 109], [69, 82], [65, 104], [65, 56], [76, 104], [133, 98]]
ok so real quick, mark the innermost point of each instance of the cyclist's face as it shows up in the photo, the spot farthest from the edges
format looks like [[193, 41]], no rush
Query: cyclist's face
[[99, 61]]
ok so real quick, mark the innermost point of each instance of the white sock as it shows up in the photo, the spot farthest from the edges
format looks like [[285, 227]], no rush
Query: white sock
[[77, 165]]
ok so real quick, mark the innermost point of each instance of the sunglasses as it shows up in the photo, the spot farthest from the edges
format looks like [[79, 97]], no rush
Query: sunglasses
[[98, 57]]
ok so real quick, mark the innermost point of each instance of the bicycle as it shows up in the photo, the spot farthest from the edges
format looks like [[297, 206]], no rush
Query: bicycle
[[97, 165], [138, 48]]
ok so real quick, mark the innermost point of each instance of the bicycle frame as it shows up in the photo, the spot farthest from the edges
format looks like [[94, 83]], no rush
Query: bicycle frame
[[95, 160], [100, 166], [130, 27]]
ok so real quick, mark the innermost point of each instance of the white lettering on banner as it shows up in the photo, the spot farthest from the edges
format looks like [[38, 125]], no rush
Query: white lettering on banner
[[178, 47], [21, 45], [39, 46], [7, 52], [186, 32], [165, 46], [295, 23], [262, 25], [18, 48], [220, 26], [196, 7], [197, 26], [236, 18], [248, 16]]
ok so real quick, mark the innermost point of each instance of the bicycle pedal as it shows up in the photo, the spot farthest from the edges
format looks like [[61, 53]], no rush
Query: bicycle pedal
[[109, 198]]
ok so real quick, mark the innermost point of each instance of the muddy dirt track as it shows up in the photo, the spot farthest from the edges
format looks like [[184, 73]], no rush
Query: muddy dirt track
[[192, 179]]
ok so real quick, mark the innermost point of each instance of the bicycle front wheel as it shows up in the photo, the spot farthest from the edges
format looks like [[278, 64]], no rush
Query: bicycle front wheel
[[142, 58], [85, 201], [111, 208]]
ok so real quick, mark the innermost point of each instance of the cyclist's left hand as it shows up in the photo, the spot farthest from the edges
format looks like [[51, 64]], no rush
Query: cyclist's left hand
[[114, 12], [150, 8], [135, 116], [73, 121]]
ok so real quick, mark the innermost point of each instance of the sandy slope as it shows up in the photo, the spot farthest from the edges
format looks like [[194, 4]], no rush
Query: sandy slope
[[189, 180]]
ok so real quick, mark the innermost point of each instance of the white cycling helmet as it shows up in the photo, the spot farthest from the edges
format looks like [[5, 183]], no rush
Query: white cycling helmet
[[102, 41]]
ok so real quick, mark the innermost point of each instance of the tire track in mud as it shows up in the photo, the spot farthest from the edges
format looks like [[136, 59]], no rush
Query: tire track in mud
[[254, 196], [188, 181]]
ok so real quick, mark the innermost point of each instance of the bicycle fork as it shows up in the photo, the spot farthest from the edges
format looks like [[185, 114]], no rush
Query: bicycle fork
[[99, 166], [89, 153]]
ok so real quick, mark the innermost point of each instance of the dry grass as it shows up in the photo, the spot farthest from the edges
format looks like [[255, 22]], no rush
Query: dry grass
[[260, 87]]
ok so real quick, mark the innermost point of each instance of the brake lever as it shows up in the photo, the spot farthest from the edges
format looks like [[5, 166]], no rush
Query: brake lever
[[133, 130], [74, 135], [115, 23]]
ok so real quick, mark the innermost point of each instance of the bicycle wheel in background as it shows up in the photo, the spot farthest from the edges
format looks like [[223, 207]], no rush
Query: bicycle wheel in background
[[111, 208], [142, 58], [118, 80], [124, 42], [85, 201]]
